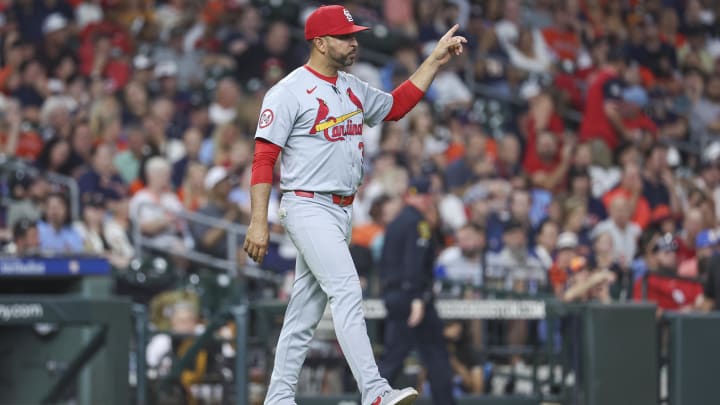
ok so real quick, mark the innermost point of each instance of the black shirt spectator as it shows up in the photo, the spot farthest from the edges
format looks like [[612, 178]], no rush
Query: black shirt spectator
[[101, 177]]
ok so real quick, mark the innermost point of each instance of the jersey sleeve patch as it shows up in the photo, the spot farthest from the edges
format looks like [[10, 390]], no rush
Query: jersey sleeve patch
[[266, 118]]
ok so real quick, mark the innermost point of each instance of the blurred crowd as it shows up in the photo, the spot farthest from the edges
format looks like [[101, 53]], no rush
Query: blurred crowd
[[573, 149]]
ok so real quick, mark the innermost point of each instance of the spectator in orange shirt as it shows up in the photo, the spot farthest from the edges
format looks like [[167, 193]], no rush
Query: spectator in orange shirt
[[631, 188], [364, 235], [562, 37]]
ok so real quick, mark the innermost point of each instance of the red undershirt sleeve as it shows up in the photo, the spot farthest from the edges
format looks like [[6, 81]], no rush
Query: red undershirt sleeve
[[405, 97], [264, 158]]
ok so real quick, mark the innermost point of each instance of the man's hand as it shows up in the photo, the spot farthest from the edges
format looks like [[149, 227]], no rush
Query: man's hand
[[448, 45], [256, 241], [417, 313]]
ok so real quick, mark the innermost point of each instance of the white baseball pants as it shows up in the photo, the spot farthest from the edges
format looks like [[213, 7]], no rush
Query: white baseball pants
[[324, 272]]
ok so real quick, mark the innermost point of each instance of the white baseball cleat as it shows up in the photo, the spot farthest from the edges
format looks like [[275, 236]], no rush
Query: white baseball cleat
[[405, 396]]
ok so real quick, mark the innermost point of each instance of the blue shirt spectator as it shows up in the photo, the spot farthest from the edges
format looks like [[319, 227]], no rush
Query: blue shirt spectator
[[56, 234], [59, 240]]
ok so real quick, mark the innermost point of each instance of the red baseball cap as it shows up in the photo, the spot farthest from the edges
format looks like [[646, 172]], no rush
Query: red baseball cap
[[331, 20]]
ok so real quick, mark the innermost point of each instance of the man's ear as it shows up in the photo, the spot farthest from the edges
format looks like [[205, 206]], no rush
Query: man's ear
[[321, 44]]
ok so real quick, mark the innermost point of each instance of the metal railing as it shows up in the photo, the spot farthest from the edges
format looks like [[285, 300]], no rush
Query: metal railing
[[9, 165], [234, 234]]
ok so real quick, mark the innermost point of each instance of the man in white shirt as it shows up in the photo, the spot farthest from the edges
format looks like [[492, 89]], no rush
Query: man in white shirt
[[464, 262], [624, 233]]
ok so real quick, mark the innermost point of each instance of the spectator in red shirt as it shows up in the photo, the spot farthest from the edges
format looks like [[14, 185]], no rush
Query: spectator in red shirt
[[641, 129], [602, 118], [692, 225], [631, 187], [661, 284], [549, 167]]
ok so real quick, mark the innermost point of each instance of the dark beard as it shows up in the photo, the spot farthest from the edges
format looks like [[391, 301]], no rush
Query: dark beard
[[469, 253]]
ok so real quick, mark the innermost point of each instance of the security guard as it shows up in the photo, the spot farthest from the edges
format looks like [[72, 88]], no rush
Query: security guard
[[406, 272]]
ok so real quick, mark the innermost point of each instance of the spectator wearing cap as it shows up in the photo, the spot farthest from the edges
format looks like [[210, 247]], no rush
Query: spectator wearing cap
[[705, 244], [168, 86], [641, 130], [153, 209], [602, 119], [25, 239], [143, 69], [212, 239], [460, 173], [661, 284], [567, 243], [101, 177], [57, 236], [30, 20], [630, 188], [57, 41], [663, 220], [623, 232]]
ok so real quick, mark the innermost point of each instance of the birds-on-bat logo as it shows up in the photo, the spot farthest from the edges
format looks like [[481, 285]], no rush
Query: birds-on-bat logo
[[336, 128]]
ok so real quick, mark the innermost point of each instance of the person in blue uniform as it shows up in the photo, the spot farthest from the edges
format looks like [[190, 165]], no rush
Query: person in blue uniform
[[406, 273]]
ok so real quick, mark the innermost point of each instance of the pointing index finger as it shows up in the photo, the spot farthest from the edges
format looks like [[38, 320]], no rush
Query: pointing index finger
[[451, 31]]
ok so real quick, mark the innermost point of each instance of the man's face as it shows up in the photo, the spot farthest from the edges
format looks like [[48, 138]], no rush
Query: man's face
[[470, 242], [547, 146], [515, 239], [56, 211], [714, 88], [342, 49], [666, 258], [520, 205]]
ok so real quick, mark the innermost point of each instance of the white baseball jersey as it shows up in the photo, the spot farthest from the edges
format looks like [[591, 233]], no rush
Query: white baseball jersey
[[319, 126]]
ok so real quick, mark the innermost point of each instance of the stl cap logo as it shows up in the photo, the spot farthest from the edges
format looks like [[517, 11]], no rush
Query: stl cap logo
[[266, 118], [347, 15]]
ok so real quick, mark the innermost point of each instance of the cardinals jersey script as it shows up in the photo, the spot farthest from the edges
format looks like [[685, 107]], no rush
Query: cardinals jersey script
[[319, 125]]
